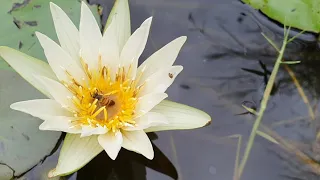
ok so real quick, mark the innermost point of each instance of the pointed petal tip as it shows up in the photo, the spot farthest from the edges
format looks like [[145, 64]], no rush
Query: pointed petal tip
[[208, 123], [183, 38], [84, 5], [112, 157], [179, 68], [205, 116], [111, 143], [180, 116], [180, 40], [54, 8], [147, 22], [39, 35], [52, 173], [150, 156], [14, 106], [53, 5]]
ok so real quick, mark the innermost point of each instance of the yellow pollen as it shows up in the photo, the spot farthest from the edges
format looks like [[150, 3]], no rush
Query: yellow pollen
[[105, 101]]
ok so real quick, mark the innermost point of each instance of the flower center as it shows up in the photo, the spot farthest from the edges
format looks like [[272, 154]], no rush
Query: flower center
[[105, 100], [110, 102]]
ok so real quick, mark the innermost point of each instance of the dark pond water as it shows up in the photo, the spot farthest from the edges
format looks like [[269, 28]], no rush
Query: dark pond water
[[226, 64]]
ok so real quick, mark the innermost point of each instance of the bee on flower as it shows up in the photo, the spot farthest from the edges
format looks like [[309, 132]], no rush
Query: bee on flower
[[97, 93]]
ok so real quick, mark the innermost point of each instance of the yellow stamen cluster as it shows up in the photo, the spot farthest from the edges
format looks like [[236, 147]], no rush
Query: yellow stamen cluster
[[106, 100]]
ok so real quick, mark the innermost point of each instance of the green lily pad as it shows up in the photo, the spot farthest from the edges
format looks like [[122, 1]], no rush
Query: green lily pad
[[20, 19], [301, 14], [22, 144]]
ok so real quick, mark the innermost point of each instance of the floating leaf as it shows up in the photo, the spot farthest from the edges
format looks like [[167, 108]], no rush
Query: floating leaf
[[20, 19], [22, 144], [301, 14]]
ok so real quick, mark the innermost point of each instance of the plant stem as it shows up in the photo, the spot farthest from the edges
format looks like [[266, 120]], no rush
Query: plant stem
[[263, 105], [236, 168]]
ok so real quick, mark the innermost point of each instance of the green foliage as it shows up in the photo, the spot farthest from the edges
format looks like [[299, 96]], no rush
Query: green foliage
[[301, 14]]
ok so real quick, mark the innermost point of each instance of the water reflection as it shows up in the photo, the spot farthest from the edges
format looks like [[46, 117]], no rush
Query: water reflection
[[300, 151]]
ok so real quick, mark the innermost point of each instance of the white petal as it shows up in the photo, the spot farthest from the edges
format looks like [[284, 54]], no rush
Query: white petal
[[121, 12], [139, 142], [148, 120], [58, 91], [75, 153], [134, 48], [147, 102], [59, 123], [41, 107], [89, 130], [161, 59], [67, 32], [27, 67], [179, 116], [60, 61], [160, 81], [111, 143], [90, 37], [109, 49]]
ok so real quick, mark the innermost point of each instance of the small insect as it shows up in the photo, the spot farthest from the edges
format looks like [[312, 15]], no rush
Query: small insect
[[97, 96], [103, 100], [170, 75]]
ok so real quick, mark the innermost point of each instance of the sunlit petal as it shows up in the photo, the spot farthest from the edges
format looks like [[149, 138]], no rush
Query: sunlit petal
[[90, 37], [134, 47], [109, 49], [139, 142], [111, 143], [60, 61], [179, 116], [59, 92], [28, 67], [147, 102], [89, 130], [160, 81], [121, 13], [161, 59], [41, 107], [67, 32], [75, 153], [148, 120], [59, 123]]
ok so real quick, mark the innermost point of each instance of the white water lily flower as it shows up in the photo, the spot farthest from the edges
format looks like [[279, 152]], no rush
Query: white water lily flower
[[97, 90]]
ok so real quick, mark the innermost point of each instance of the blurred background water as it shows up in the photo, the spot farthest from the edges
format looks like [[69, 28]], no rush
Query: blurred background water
[[227, 63]]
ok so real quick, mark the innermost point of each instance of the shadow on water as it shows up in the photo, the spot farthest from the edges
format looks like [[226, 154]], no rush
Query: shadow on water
[[227, 63], [128, 165]]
